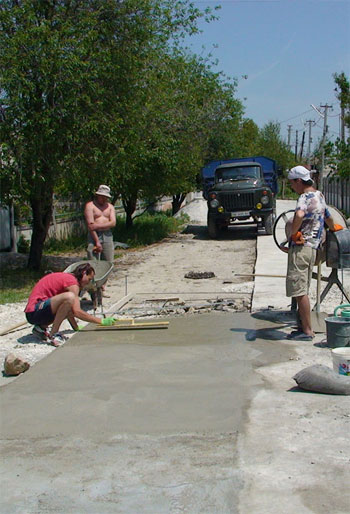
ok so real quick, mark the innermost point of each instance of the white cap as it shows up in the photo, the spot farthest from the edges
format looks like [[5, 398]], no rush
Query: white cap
[[299, 172]]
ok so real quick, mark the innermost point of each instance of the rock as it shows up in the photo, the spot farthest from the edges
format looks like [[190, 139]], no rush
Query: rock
[[14, 366]]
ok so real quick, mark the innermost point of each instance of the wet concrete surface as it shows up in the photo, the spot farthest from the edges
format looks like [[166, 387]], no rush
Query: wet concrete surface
[[135, 421]]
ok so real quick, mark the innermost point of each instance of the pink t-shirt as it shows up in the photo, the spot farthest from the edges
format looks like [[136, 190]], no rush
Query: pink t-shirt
[[49, 286]]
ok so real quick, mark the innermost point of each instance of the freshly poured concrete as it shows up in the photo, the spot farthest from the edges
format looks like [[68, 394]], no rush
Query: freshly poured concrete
[[135, 421]]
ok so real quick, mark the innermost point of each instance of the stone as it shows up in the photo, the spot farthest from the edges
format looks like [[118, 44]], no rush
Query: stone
[[14, 366]]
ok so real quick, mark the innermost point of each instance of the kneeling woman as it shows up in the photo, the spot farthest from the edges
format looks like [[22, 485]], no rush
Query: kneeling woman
[[56, 298]]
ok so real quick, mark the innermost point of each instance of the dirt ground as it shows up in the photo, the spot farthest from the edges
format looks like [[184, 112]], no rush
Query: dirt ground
[[155, 273]]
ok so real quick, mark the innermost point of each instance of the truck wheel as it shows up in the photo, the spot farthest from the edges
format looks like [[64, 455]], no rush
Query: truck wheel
[[213, 230], [268, 224]]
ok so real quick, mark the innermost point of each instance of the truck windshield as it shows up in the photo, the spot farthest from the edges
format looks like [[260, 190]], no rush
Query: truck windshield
[[237, 173]]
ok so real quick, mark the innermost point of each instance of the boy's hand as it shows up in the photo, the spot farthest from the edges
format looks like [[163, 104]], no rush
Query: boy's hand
[[298, 238], [108, 322]]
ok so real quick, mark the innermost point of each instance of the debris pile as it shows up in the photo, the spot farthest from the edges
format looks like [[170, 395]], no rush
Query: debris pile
[[181, 307]]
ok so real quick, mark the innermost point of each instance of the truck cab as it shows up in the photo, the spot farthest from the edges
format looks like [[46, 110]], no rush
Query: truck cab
[[240, 192]]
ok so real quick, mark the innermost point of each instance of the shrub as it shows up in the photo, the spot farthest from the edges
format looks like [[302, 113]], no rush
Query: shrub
[[23, 245], [147, 229]]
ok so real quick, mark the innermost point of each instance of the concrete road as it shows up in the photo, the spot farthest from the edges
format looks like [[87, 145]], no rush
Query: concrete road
[[134, 421]]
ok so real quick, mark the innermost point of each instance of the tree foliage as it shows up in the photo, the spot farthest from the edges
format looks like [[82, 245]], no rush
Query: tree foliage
[[271, 144], [73, 86], [340, 151]]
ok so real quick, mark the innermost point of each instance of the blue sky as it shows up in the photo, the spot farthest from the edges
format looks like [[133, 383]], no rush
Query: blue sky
[[288, 49]]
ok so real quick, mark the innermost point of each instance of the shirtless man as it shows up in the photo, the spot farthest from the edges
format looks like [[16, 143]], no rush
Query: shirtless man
[[100, 219]]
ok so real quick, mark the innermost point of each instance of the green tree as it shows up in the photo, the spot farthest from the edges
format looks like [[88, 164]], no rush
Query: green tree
[[271, 144], [69, 73], [341, 148]]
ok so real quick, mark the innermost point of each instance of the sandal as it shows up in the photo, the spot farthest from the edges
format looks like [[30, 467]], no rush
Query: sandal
[[296, 335]]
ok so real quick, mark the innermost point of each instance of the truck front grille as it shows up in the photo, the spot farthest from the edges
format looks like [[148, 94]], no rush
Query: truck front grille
[[236, 201]]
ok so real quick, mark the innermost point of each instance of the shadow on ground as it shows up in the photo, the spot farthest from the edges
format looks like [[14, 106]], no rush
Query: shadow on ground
[[267, 334], [286, 317], [236, 232]]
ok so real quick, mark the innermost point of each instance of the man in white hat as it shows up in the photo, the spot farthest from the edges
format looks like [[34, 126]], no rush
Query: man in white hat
[[100, 219], [310, 215]]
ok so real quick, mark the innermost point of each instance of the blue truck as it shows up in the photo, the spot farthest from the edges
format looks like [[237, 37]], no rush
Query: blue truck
[[240, 189]]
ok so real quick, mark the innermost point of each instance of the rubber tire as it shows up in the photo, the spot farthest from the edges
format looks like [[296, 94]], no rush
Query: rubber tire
[[213, 229], [269, 222]]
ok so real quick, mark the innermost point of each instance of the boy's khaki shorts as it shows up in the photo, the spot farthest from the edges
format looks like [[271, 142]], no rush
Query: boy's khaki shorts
[[301, 260]]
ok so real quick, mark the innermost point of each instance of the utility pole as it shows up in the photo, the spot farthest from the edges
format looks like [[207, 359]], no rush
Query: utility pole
[[342, 124], [310, 123], [325, 130], [289, 133], [302, 146], [296, 145]]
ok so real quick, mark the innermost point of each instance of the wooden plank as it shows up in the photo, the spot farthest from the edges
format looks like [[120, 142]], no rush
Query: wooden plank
[[258, 275], [119, 304], [137, 326], [174, 299], [7, 330], [129, 324]]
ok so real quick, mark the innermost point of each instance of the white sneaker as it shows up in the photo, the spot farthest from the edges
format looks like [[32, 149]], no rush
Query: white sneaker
[[56, 339]]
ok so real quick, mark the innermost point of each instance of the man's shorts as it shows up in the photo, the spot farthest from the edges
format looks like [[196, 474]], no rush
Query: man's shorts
[[106, 240], [301, 260], [42, 315]]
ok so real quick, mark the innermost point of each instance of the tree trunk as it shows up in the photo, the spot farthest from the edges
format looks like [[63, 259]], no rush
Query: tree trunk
[[41, 204], [129, 205], [177, 202]]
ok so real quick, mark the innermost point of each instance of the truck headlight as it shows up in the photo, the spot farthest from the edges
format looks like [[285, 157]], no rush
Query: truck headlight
[[214, 204], [265, 200]]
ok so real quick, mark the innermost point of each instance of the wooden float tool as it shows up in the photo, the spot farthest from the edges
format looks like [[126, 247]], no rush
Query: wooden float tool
[[130, 324]]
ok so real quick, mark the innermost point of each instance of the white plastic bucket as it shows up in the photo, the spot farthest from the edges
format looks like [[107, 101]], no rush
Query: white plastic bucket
[[341, 361]]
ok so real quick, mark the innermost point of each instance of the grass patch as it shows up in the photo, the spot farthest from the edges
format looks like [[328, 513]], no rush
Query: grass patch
[[16, 284], [148, 229]]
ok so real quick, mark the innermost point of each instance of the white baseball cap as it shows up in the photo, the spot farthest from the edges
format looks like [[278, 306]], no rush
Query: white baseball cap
[[299, 172]]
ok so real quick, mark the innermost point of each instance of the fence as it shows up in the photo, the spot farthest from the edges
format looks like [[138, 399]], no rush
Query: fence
[[337, 193], [5, 228], [60, 229]]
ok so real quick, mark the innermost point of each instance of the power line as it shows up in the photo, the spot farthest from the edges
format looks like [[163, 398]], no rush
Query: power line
[[297, 116]]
